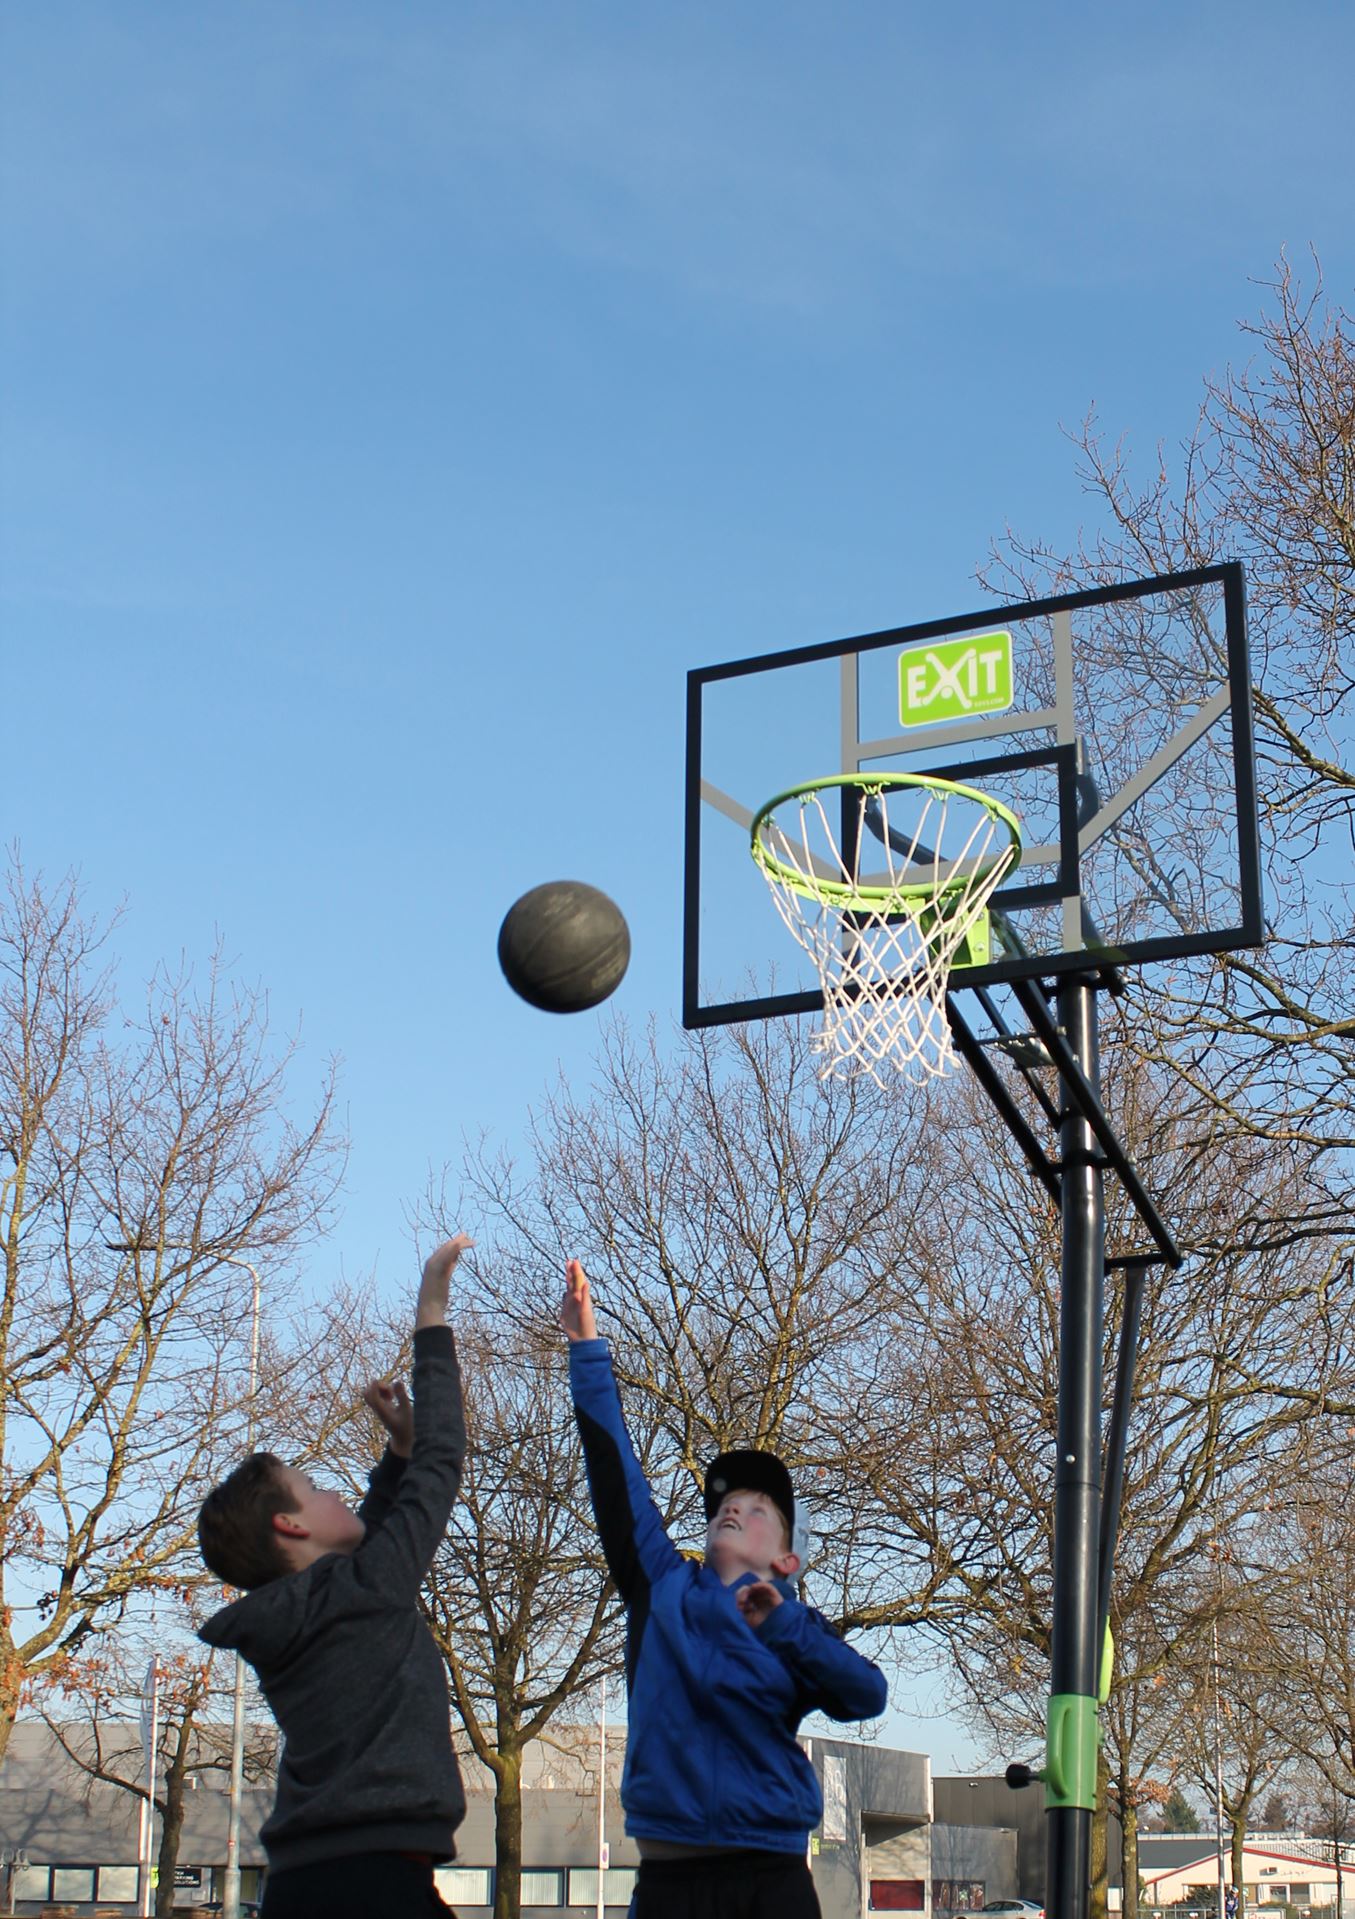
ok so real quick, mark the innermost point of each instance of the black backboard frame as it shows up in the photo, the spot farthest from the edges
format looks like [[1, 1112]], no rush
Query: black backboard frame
[[1250, 927]]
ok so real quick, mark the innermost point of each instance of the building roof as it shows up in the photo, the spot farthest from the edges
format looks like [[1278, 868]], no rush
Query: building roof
[[1168, 1858]]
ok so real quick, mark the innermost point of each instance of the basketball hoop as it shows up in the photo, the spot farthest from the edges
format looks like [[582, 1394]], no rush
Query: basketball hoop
[[884, 943]]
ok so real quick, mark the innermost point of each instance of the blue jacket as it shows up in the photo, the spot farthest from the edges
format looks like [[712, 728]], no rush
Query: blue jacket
[[711, 1753]]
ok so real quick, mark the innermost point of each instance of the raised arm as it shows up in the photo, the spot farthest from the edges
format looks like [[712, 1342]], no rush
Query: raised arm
[[636, 1546], [435, 1283], [389, 1400], [415, 1508]]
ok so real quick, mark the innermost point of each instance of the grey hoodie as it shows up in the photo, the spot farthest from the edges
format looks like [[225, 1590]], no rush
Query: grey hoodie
[[348, 1667]]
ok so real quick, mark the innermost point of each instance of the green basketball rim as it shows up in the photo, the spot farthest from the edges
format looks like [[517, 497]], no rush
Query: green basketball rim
[[861, 898]]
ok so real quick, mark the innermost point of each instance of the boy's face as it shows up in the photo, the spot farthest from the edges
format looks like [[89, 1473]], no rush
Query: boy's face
[[322, 1519], [749, 1535]]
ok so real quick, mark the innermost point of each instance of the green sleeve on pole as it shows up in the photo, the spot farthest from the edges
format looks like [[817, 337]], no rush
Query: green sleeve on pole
[[1071, 1748]]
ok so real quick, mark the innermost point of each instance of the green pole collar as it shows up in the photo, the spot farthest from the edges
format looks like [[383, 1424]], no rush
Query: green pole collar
[[1073, 1738]]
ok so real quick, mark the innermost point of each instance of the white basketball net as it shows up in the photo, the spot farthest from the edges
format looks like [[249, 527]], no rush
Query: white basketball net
[[884, 962]]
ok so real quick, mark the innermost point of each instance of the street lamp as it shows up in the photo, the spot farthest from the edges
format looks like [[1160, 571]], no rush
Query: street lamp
[[602, 1802], [230, 1901], [230, 1892], [14, 1860]]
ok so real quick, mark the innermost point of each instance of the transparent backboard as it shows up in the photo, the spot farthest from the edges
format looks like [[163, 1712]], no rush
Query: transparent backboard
[[1115, 724]]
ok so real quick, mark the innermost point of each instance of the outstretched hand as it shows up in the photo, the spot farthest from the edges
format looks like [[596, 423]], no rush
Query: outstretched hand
[[576, 1308], [437, 1278], [390, 1402], [757, 1602]]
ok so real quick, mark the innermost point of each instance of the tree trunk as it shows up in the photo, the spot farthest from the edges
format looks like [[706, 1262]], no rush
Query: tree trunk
[[1096, 1906], [1239, 1843], [11, 1684], [508, 1834], [1129, 1827], [171, 1810]]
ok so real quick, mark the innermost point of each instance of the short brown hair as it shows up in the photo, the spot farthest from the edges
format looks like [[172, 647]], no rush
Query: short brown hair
[[235, 1526]]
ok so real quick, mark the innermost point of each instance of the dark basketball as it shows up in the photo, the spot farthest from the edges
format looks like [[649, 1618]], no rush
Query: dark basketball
[[564, 946]]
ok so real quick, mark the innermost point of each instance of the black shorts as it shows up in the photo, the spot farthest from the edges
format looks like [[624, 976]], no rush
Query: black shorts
[[728, 1885], [362, 1885]]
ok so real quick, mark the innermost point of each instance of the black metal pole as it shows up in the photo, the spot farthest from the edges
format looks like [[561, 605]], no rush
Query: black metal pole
[[1075, 1654], [1117, 1435]]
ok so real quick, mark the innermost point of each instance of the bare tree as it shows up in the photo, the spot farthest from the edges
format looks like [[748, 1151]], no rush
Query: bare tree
[[1330, 1814], [1268, 476], [518, 1598], [95, 1708], [1253, 1044], [1308, 1641], [164, 1129], [1230, 1694], [753, 1234], [741, 1222], [519, 1601], [1142, 1744], [1240, 1352], [871, 1287]]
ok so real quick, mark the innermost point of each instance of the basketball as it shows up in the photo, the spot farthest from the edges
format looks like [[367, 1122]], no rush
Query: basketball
[[564, 947]]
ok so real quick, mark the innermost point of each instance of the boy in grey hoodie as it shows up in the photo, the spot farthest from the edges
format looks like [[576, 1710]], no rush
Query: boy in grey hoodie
[[369, 1795]]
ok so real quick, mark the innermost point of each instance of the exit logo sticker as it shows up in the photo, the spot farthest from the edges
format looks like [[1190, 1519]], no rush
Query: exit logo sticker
[[955, 679]]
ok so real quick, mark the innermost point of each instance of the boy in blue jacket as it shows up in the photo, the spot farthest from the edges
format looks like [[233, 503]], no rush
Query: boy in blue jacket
[[722, 1663]]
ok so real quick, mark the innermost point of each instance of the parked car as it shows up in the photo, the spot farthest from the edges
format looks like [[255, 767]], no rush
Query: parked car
[[1005, 1909]]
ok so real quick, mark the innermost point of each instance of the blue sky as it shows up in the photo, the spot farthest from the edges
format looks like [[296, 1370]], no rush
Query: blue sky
[[397, 401]]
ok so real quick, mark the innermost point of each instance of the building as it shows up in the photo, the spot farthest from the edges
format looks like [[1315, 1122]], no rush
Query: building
[[879, 1847], [1014, 1822], [1279, 1871]]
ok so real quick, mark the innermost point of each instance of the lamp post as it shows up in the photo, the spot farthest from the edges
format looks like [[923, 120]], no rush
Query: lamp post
[[230, 1901], [230, 1892], [150, 1733], [1218, 1778], [602, 1803], [16, 1860]]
